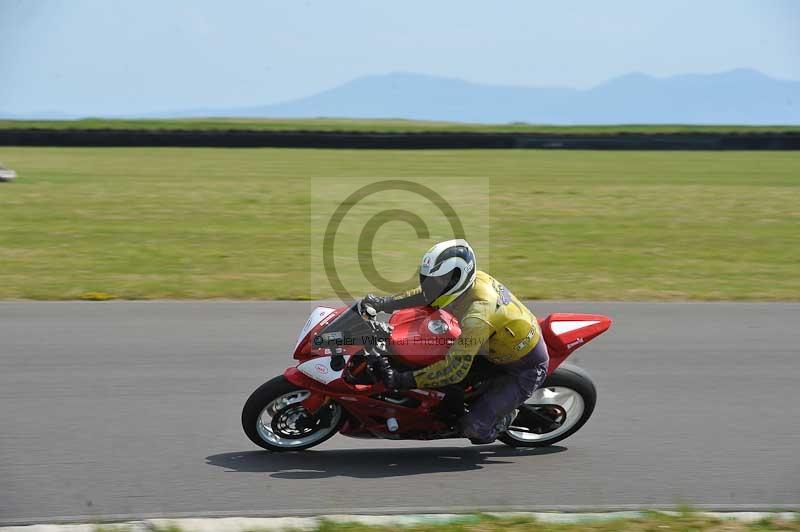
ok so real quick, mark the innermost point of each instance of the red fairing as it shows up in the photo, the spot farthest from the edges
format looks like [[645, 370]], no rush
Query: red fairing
[[319, 319], [421, 335], [564, 333]]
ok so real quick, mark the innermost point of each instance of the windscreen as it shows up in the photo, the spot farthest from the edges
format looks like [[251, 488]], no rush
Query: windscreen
[[347, 329]]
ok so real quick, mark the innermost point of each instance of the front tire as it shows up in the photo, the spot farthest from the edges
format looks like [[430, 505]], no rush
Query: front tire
[[274, 419], [571, 395]]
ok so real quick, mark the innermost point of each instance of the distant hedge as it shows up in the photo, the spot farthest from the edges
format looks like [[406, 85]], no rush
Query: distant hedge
[[398, 140]]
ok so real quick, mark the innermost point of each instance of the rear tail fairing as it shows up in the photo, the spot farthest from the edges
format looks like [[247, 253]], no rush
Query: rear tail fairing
[[566, 332]]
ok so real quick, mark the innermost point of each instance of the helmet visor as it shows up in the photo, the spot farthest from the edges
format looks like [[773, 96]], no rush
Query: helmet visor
[[435, 287]]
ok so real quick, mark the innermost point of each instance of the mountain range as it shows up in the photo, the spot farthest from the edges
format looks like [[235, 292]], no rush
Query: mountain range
[[741, 96]]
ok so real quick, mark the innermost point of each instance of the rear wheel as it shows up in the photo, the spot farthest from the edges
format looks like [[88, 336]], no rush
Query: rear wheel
[[274, 418], [555, 411]]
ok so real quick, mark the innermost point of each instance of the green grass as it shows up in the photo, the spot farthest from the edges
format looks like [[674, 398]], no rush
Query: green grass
[[215, 223], [385, 125]]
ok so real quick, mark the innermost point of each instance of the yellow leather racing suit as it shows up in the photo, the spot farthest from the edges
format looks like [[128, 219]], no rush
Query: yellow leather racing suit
[[493, 322]]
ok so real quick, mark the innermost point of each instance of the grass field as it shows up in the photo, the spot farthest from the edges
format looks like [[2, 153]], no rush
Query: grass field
[[208, 223], [337, 124]]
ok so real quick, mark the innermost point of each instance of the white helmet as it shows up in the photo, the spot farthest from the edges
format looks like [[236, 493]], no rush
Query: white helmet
[[447, 271]]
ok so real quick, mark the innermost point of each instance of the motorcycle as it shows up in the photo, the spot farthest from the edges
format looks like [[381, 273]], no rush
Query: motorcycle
[[335, 386]]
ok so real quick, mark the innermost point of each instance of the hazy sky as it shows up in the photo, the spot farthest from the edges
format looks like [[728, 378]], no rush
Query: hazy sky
[[126, 56]]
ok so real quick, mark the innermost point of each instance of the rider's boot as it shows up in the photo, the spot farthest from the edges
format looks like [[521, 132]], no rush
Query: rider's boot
[[499, 428]]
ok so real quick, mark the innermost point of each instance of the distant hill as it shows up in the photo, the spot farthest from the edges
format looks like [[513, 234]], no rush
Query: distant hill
[[740, 96], [734, 97]]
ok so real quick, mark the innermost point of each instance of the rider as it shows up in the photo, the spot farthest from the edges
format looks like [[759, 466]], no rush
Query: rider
[[493, 322]]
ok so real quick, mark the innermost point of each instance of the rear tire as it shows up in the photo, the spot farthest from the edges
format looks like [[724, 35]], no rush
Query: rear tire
[[280, 397], [565, 377]]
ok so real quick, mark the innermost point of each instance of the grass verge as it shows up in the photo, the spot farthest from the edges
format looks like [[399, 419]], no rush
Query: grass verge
[[100, 223], [646, 522], [652, 522]]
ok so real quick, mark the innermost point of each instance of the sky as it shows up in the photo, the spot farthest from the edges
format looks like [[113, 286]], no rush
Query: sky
[[98, 57]]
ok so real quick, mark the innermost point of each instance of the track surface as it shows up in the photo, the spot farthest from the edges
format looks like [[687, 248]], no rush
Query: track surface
[[133, 408]]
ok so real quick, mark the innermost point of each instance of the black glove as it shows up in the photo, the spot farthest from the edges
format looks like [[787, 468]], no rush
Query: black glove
[[376, 302], [392, 378], [399, 380]]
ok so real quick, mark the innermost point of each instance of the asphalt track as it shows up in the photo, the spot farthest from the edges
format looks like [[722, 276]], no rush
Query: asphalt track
[[132, 409]]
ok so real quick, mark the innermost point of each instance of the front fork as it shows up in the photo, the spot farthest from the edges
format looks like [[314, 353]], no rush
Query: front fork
[[317, 399], [315, 402]]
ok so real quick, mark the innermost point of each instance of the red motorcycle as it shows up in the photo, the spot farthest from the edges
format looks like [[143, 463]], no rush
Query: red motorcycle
[[334, 387]]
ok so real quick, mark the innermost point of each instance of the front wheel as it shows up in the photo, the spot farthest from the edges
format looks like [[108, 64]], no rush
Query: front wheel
[[555, 411], [274, 418]]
